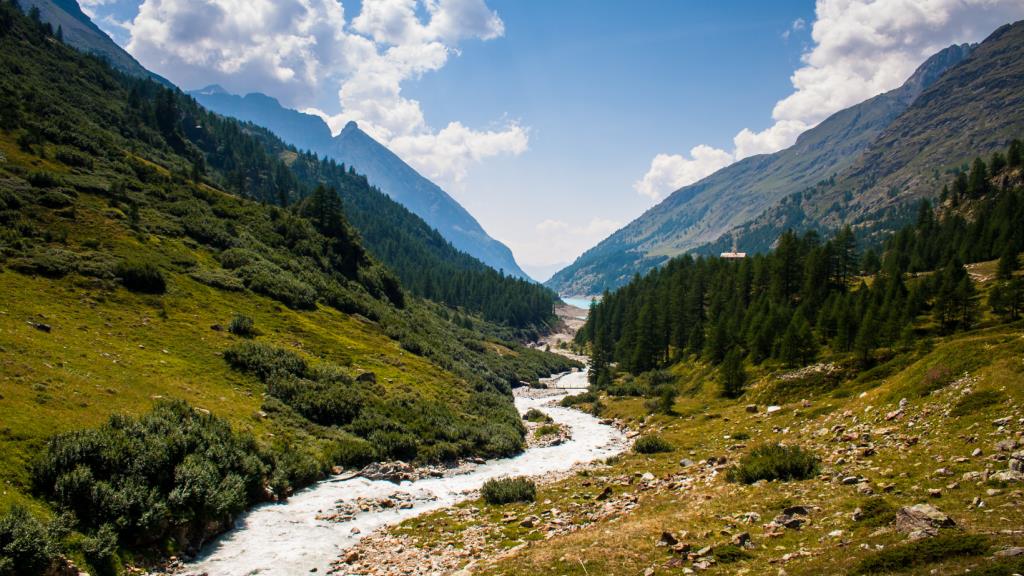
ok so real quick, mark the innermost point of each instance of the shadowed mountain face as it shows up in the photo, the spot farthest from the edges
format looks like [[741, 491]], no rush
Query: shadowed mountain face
[[383, 169], [702, 212], [81, 33]]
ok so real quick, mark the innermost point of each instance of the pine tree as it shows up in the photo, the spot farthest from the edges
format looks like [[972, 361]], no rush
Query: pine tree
[[734, 376], [977, 181], [1014, 154], [867, 337], [1007, 263]]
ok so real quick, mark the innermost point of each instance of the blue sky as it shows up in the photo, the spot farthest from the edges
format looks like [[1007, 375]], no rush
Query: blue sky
[[555, 122]]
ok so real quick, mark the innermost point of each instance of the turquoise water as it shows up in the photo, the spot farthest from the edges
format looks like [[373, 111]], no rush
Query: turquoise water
[[578, 302]]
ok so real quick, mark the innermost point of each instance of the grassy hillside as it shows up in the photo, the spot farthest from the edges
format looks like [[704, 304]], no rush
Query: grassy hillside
[[143, 264], [932, 425]]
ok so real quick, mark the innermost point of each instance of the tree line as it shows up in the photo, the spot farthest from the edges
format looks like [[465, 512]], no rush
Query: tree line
[[809, 294]]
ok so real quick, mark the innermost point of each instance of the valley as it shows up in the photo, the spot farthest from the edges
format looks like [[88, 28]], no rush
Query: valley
[[240, 339]]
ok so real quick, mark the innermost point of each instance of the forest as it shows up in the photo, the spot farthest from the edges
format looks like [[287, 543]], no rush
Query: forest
[[809, 296]]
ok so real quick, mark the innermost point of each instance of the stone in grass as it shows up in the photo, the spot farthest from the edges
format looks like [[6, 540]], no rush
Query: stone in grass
[[667, 539], [922, 520]]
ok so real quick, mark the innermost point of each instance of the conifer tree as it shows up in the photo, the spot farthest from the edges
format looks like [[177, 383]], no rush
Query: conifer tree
[[734, 376]]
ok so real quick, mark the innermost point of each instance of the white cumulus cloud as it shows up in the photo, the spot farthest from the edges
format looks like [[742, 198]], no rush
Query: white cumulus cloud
[[861, 48], [306, 52], [670, 172]]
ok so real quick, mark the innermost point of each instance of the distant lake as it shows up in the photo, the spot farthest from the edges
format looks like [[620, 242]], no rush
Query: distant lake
[[578, 302]]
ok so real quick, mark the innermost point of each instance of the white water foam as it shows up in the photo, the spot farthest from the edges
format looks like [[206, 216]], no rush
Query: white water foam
[[288, 539]]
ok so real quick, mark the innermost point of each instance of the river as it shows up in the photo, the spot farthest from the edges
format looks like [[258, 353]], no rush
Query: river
[[288, 539]]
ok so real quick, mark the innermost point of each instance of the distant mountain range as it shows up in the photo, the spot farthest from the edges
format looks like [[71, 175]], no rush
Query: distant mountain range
[[383, 169], [866, 166], [82, 33]]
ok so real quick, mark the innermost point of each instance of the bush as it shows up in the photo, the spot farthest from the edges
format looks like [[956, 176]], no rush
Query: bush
[[652, 444], [930, 550], [775, 462], [242, 325], [548, 430], [877, 512], [25, 546], [149, 476], [728, 553], [221, 279], [577, 399], [43, 180], [49, 262], [265, 360], [508, 490], [141, 277], [280, 285], [977, 401], [534, 415]]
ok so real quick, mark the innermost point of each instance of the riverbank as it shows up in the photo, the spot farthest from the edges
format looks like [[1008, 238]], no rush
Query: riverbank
[[321, 524]]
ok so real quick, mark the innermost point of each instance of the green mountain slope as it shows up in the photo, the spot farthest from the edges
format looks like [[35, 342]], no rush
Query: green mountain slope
[[700, 213], [142, 264], [384, 169]]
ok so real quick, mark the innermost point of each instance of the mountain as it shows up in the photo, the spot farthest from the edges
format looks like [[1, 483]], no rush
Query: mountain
[[82, 33], [384, 169], [701, 212], [974, 108], [424, 260]]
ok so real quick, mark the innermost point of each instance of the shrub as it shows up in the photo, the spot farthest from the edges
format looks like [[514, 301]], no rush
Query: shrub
[[664, 402], [25, 546], [74, 158], [280, 285], [930, 550], [741, 436], [221, 279], [652, 444], [775, 462], [577, 399], [548, 430], [877, 512], [49, 262], [265, 360], [140, 276], [43, 180], [534, 415], [728, 553], [147, 476], [508, 490], [242, 325], [976, 401]]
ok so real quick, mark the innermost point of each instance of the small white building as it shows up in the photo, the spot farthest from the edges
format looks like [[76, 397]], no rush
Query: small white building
[[734, 255]]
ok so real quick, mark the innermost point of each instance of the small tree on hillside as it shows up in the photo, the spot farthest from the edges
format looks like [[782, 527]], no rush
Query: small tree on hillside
[[734, 376], [1007, 264]]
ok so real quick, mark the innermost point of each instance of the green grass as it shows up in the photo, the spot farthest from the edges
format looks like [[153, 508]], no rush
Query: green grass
[[977, 401]]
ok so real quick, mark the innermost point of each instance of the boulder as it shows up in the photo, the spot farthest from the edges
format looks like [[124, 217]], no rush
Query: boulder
[[922, 520], [667, 539], [367, 377]]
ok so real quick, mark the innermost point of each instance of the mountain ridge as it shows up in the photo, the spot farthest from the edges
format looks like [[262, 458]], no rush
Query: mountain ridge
[[384, 169], [80, 32], [700, 213]]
